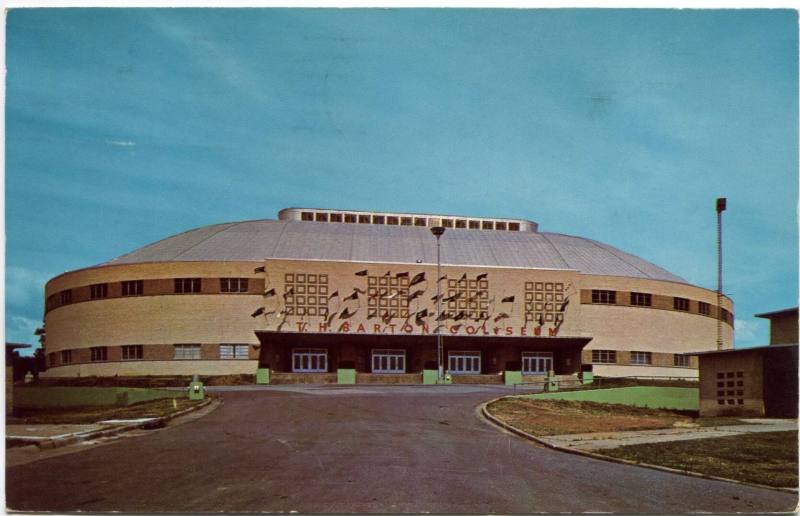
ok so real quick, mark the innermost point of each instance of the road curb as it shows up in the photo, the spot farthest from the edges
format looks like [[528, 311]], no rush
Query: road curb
[[49, 444], [492, 419]]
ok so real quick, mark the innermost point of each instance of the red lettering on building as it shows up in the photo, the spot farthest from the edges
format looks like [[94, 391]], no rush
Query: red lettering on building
[[553, 331], [509, 330], [470, 330], [361, 328], [537, 331], [523, 331], [408, 328], [377, 329]]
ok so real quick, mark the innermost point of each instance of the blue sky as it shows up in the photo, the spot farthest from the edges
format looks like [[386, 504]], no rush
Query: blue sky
[[124, 126]]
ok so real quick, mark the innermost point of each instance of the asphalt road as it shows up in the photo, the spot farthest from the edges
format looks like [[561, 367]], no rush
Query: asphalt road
[[357, 449]]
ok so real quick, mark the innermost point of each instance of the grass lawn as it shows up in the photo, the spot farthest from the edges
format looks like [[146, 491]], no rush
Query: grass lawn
[[84, 415], [768, 458]]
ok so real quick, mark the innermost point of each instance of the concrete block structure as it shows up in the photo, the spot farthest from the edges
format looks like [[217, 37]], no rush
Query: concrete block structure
[[319, 289]]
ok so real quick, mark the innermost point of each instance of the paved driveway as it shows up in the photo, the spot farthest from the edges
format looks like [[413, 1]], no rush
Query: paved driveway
[[357, 449]]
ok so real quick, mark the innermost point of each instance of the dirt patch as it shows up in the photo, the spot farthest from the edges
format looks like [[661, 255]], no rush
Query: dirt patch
[[556, 417]]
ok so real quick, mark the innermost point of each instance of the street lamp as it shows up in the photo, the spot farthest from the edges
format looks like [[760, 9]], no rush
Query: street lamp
[[438, 231]]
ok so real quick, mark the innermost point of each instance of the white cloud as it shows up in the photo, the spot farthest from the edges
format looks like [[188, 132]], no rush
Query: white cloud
[[24, 286], [121, 143], [20, 329], [748, 333]]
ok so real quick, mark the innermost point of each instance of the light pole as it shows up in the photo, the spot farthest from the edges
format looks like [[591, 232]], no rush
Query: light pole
[[438, 231], [721, 205]]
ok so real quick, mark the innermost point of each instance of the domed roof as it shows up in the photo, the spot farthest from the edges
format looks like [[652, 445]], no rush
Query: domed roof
[[258, 240]]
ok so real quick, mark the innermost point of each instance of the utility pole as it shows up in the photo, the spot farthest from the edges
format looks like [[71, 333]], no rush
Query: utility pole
[[438, 231]]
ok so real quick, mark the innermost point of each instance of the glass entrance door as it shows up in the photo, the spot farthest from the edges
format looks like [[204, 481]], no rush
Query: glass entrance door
[[309, 360], [537, 362], [464, 362], [387, 361]]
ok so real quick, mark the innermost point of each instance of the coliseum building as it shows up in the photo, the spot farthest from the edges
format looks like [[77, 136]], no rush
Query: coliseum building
[[318, 290]]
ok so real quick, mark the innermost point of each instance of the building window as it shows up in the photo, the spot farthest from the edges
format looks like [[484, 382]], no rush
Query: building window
[[336, 217], [641, 357], [187, 351], [488, 224], [392, 220], [420, 221], [306, 215], [66, 297], [724, 315], [464, 362], [306, 360], [474, 224], [134, 352], [66, 356], [406, 221], [51, 359], [98, 291], [681, 360], [321, 217], [378, 219], [99, 354], [187, 285], [604, 356], [233, 284], [461, 224], [513, 226], [133, 288], [703, 308], [500, 226], [641, 299], [447, 223], [233, 352], [604, 297], [363, 219], [349, 218], [680, 303], [388, 361]]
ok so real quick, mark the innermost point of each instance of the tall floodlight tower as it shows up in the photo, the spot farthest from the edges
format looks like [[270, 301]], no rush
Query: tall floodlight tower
[[721, 205]]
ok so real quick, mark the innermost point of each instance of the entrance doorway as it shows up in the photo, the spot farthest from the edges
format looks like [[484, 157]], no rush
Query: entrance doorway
[[464, 362], [388, 361], [307, 360], [536, 362]]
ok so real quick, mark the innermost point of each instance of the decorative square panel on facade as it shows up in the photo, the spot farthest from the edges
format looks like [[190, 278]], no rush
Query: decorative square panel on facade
[[306, 294], [387, 295], [472, 298], [544, 301]]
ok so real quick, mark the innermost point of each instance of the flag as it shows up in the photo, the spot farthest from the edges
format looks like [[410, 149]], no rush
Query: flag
[[440, 279], [443, 316], [436, 298], [563, 305], [362, 292], [387, 317], [257, 312], [371, 314], [415, 294], [388, 273], [393, 295], [463, 277], [541, 320], [259, 269], [330, 318], [362, 273], [419, 278], [354, 295], [455, 328], [269, 293], [402, 275], [509, 299], [346, 314], [335, 294], [481, 276], [288, 292], [460, 315], [502, 315]]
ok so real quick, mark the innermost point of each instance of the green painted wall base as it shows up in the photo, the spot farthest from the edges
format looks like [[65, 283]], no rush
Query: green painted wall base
[[197, 391], [262, 375], [550, 385], [513, 377], [429, 377], [587, 377], [46, 397], [346, 376]]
